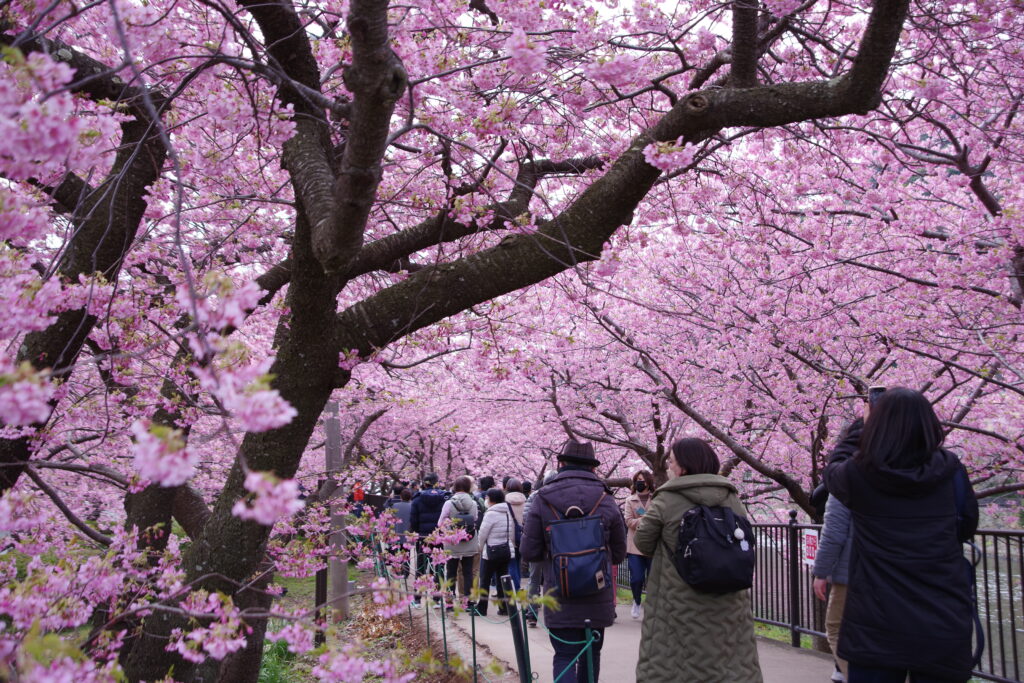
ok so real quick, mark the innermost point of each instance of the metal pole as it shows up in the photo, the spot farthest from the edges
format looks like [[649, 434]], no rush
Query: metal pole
[[319, 599], [444, 627], [587, 633], [405, 582], [522, 658], [472, 627], [794, 581], [526, 637]]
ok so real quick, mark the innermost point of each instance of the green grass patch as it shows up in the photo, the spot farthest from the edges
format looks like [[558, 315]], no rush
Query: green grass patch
[[781, 634], [300, 592], [278, 664]]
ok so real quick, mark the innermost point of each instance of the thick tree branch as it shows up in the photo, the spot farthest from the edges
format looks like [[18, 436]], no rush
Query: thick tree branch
[[360, 432], [744, 43], [441, 228], [92, 78], [376, 79], [105, 221]]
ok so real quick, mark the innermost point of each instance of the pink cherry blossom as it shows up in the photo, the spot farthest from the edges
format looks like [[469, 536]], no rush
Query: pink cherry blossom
[[298, 637], [618, 71], [669, 156], [161, 454], [525, 57], [271, 499], [24, 395]]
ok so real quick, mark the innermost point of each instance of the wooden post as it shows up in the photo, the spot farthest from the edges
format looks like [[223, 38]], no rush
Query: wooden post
[[337, 570]]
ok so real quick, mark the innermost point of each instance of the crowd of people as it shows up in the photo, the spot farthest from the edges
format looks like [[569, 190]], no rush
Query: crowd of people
[[891, 564]]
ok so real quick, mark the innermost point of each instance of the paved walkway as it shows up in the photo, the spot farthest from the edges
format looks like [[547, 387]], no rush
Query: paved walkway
[[780, 663]]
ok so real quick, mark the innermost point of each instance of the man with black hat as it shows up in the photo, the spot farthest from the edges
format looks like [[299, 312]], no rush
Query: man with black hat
[[575, 490]]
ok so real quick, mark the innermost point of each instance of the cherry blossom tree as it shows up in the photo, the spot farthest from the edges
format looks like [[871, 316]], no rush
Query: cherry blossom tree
[[217, 218]]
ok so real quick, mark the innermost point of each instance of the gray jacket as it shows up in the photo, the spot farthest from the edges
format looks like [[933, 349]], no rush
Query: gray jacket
[[464, 503], [833, 559]]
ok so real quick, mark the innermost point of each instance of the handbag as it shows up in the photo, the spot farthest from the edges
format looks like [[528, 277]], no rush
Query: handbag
[[502, 552]]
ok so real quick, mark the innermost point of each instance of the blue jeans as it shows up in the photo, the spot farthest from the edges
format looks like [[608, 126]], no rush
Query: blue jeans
[[564, 653], [515, 571], [865, 674], [639, 568]]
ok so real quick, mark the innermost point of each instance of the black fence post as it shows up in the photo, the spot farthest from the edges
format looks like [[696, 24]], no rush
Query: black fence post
[[794, 581], [320, 598], [518, 637]]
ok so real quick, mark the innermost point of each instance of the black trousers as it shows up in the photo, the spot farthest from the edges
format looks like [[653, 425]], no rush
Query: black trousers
[[451, 573], [490, 569], [423, 566], [565, 652]]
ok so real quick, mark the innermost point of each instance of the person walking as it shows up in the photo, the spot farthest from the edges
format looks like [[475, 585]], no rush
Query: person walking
[[461, 505], [535, 569], [688, 635], [425, 512], [396, 495], [483, 485], [636, 505], [497, 545], [403, 515], [908, 605], [576, 486], [516, 501], [832, 566]]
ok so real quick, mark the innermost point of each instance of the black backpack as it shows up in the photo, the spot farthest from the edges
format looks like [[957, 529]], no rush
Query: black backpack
[[464, 519], [715, 550]]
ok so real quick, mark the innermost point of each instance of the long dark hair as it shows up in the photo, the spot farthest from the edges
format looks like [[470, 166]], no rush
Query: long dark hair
[[696, 456], [901, 432]]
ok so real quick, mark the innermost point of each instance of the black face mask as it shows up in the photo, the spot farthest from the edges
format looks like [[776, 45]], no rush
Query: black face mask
[[640, 486]]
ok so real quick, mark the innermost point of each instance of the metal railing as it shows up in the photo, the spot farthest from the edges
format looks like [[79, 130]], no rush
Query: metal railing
[[783, 596]]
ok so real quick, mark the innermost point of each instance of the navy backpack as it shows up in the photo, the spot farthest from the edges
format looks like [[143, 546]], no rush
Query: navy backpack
[[579, 556]]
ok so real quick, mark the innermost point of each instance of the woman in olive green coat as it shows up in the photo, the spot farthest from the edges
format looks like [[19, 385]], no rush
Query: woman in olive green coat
[[691, 636]]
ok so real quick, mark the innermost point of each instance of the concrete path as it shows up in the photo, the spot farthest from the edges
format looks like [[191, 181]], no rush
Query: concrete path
[[780, 663]]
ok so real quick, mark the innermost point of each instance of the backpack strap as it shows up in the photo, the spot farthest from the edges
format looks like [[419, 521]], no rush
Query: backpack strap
[[593, 509]]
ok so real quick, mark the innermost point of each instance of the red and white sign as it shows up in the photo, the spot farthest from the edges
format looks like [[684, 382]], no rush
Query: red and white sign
[[810, 545]]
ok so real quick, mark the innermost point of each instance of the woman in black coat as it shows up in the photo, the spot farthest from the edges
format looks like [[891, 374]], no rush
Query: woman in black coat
[[908, 607]]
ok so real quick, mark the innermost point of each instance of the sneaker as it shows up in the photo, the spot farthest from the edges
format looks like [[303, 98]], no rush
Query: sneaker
[[532, 623], [635, 611], [437, 605], [416, 604], [837, 677]]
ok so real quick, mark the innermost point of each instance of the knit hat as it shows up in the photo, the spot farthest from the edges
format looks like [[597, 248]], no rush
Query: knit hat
[[579, 453]]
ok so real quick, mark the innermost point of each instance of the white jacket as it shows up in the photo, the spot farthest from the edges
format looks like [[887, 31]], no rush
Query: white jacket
[[517, 502], [497, 528]]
